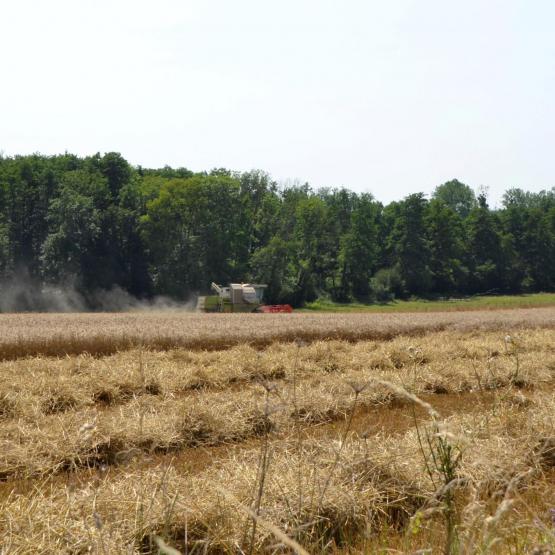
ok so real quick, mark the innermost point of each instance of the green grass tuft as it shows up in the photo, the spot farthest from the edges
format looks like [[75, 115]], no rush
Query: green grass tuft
[[489, 302]]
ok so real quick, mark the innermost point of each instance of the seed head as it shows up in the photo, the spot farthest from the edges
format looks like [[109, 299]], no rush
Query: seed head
[[87, 427], [357, 386], [268, 386], [414, 351]]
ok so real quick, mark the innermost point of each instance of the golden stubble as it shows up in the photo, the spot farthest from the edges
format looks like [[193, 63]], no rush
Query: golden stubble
[[332, 441]]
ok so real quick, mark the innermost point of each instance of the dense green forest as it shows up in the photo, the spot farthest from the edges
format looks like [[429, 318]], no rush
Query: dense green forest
[[86, 226]]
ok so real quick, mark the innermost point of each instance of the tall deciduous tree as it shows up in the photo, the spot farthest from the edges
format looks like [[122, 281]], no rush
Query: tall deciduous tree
[[71, 251], [484, 249], [313, 239], [411, 246], [445, 233], [192, 230], [359, 248], [458, 196]]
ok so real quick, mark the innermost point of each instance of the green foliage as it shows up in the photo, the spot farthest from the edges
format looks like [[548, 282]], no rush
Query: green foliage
[[274, 264], [98, 223], [445, 234], [4, 250], [457, 196], [193, 231], [485, 302], [358, 256], [484, 249], [75, 222], [410, 245], [386, 284]]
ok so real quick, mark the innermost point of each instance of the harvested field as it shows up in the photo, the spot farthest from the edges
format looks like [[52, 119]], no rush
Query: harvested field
[[436, 434], [106, 333]]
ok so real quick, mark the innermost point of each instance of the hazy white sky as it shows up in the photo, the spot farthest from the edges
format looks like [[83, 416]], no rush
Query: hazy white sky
[[390, 97]]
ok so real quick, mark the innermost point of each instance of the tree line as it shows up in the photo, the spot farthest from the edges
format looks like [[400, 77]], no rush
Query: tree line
[[97, 223]]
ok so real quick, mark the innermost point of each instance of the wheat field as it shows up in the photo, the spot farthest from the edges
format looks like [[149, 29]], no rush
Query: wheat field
[[31, 334], [165, 433]]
